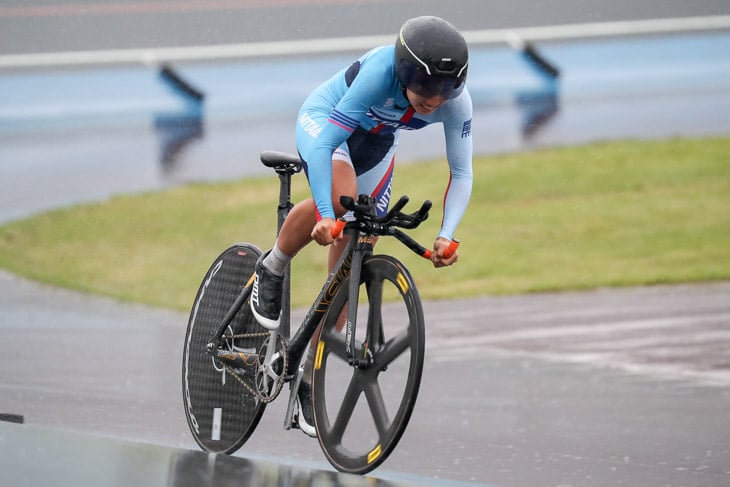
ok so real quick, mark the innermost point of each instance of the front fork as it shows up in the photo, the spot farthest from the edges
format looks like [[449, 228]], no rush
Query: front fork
[[361, 248], [353, 300], [365, 358]]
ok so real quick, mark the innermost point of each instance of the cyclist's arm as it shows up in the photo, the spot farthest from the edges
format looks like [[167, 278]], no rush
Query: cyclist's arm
[[457, 131], [319, 169], [370, 84]]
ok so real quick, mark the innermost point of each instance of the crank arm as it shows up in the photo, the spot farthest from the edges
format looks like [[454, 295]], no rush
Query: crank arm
[[293, 390]]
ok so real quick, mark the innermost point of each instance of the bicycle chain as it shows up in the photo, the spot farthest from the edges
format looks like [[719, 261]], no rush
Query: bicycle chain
[[279, 382]]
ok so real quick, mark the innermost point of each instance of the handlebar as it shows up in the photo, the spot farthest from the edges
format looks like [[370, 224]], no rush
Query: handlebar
[[368, 222]]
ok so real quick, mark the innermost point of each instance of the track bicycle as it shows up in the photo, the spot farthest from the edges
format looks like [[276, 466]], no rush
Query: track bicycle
[[370, 342]]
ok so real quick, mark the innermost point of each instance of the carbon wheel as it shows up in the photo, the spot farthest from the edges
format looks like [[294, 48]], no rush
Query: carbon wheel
[[221, 411], [361, 413]]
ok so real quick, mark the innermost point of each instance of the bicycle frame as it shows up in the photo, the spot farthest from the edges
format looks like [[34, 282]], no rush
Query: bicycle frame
[[349, 265]]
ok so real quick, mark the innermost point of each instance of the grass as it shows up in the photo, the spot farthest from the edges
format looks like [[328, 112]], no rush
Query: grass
[[610, 214]]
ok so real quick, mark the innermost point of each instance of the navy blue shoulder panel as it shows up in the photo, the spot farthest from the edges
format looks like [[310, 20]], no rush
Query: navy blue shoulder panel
[[351, 73]]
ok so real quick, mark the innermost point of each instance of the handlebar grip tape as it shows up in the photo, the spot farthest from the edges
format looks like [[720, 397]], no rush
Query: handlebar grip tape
[[337, 229], [450, 250]]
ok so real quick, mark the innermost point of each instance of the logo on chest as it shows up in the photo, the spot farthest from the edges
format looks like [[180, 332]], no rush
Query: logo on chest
[[394, 118]]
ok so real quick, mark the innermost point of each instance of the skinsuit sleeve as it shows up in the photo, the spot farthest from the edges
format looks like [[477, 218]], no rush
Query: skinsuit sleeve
[[457, 118]]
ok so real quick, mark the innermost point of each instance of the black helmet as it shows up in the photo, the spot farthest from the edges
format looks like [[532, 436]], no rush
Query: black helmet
[[431, 57]]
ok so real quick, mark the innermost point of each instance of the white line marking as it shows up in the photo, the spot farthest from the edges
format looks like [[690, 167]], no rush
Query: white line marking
[[683, 343], [591, 329], [344, 44], [678, 371]]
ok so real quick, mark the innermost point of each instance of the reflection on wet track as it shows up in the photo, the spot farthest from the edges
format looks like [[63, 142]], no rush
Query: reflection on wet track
[[54, 457]]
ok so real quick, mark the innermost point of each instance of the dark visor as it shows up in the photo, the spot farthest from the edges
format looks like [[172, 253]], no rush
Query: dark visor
[[428, 86]]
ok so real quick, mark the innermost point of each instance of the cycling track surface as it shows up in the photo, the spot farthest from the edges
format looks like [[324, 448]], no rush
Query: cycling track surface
[[561, 389]]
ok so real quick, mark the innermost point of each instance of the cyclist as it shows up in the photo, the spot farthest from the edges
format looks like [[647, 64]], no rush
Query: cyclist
[[347, 134]]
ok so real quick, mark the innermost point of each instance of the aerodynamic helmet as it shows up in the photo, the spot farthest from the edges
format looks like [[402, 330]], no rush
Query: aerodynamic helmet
[[431, 57]]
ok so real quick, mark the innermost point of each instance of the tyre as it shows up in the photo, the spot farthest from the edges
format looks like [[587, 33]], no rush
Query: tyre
[[361, 413], [221, 410]]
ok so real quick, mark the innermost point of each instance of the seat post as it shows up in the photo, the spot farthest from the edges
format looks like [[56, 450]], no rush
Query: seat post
[[285, 205], [285, 165]]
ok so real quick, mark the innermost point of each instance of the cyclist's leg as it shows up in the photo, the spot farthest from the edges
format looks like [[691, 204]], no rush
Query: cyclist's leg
[[375, 180], [294, 235]]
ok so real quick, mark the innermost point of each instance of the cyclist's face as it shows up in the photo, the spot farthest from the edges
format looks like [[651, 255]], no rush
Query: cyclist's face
[[423, 105]]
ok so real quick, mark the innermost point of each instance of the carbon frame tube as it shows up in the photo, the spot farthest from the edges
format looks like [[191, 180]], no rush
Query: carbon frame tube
[[216, 341], [354, 252], [285, 205]]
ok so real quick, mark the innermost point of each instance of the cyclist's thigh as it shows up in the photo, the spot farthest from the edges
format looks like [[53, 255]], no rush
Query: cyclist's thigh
[[376, 181], [344, 181]]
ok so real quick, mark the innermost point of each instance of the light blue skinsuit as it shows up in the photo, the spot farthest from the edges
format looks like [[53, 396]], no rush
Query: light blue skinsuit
[[358, 114]]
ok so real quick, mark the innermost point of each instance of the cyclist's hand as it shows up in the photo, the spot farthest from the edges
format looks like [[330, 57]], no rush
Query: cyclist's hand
[[322, 232], [439, 249]]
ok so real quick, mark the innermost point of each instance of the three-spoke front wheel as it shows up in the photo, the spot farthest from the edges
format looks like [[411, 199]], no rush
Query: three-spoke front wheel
[[361, 412]]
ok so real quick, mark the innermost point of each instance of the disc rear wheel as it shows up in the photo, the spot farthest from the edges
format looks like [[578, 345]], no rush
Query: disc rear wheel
[[220, 407]]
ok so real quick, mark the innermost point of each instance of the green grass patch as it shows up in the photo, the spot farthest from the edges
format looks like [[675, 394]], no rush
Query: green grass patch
[[610, 214]]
